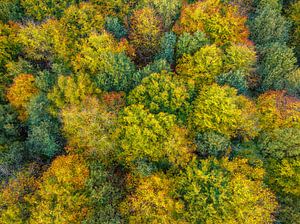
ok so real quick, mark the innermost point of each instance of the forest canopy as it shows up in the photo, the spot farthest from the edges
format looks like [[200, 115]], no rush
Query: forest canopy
[[150, 111]]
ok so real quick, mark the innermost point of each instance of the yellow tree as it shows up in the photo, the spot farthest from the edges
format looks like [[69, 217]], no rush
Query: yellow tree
[[220, 21], [20, 93], [152, 202], [220, 109], [145, 33], [60, 196]]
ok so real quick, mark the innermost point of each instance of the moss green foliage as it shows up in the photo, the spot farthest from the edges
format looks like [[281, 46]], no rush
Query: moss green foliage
[[225, 192], [163, 92]]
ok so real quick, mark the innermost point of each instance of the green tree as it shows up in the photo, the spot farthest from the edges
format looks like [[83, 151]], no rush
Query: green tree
[[162, 93], [44, 140], [107, 64], [41, 10], [167, 47], [220, 109], [276, 67], [225, 192], [190, 43], [151, 137], [268, 25]]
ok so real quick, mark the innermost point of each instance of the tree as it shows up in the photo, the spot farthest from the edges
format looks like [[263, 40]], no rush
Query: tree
[[44, 139], [60, 195], [152, 202], [239, 57], [45, 42], [277, 110], [162, 93], [203, 66], [190, 43], [211, 143], [20, 93], [107, 64], [237, 79], [293, 14], [9, 44], [225, 192], [41, 10], [14, 206], [167, 48], [220, 109], [268, 25], [104, 193], [71, 90], [276, 66], [10, 10], [115, 27], [79, 21], [150, 137], [87, 128], [168, 10], [145, 34], [221, 22]]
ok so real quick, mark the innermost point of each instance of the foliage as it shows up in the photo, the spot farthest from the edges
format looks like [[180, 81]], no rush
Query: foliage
[[212, 144], [236, 79], [190, 43], [41, 10], [154, 138], [145, 33], [80, 21], [14, 208], [106, 63], [220, 109], [9, 45], [87, 127], [276, 66], [280, 143], [268, 25], [10, 10], [152, 202], [168, 10], [71, 90], [167, 47], [20, 93], [219, 21], [161, 93], [103, 195], [239, 57], [225, 192], [277, 110], [115, 26], [293, 14], [44, 139], [205, 64], [45, 42], [60, 195]]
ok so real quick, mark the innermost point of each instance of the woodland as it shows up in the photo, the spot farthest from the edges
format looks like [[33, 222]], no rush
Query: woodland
[[149, 111]]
